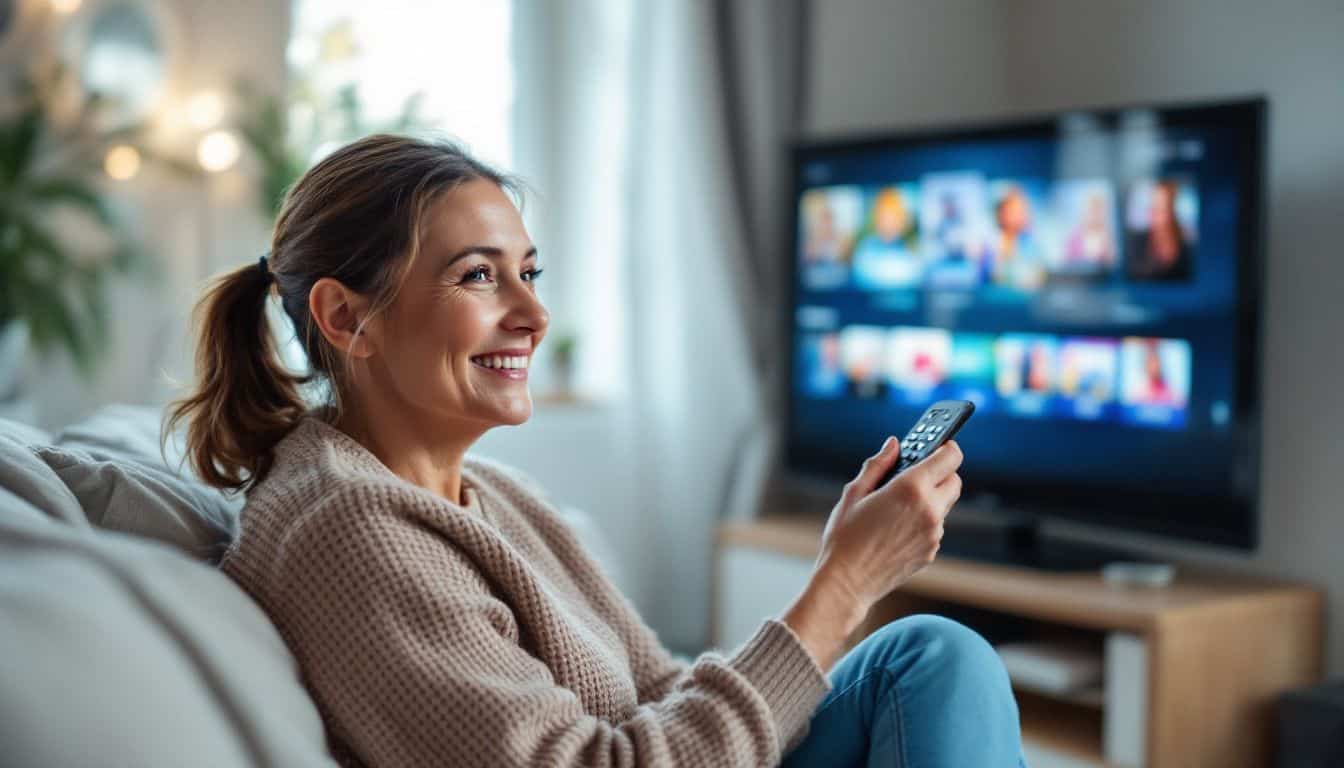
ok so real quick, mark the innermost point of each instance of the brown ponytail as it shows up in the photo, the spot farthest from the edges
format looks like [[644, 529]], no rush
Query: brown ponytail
[[356, 217], [245, 399]]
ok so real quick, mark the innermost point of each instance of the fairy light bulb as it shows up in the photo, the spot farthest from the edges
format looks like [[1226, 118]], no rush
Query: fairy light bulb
[[122, 162], [218, 151]]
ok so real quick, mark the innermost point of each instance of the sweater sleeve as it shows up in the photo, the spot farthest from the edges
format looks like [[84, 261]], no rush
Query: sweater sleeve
[[415, 663], [657, 676]]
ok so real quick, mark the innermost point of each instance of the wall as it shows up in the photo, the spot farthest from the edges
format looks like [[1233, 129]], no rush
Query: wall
[[977, 59], [877, 63]]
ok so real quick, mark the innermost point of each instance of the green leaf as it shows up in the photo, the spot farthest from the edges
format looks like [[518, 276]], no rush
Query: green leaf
[[74, 192], [35, 239], [19, 145], [53, 320], [93, 295]]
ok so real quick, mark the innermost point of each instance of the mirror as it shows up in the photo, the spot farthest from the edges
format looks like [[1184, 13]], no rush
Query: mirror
[[120, 56]]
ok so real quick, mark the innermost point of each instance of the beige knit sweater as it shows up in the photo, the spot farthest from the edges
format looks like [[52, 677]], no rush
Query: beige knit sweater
[[437, 634]]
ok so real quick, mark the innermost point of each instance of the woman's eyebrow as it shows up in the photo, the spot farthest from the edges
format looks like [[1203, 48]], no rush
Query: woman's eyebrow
[[485, 250]]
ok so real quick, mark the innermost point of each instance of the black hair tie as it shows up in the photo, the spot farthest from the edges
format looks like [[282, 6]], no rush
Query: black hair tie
[[265, 273]]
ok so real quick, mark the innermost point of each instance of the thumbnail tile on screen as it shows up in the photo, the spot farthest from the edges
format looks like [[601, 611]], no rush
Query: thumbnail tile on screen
[[1161, 230], [1138, 381], [886, 254]]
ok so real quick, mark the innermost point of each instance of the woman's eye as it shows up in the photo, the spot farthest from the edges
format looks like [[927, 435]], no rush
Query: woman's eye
[[483, 271]]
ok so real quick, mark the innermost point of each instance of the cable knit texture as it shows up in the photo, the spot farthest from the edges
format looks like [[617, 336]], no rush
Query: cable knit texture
[[433, 633]]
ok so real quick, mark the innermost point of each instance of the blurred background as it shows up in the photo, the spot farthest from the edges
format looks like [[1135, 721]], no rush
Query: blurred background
[[145, 144]]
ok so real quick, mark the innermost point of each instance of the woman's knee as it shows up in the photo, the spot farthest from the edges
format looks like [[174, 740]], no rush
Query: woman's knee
[[950, 647]]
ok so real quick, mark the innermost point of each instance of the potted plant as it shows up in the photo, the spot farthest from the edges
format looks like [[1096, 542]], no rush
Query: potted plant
[[563, 349], [52, 291]]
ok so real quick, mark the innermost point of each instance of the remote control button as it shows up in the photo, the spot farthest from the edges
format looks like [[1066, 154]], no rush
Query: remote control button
[[919, 427]]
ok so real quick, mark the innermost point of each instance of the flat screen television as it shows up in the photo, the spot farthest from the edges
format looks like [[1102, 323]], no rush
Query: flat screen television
[[1091, 280]]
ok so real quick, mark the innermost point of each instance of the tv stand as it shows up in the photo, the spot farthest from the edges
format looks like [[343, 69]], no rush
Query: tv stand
[[1190, 668], [1018, 541]]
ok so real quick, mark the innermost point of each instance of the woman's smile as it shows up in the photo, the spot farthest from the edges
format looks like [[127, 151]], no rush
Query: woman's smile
[[506, 363]]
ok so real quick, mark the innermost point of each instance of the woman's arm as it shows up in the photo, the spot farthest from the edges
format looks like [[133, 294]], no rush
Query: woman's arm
[[655, 669], [416, 663]]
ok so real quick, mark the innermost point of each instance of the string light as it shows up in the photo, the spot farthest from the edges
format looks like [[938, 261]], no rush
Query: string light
[[122, 162], [218, 151]]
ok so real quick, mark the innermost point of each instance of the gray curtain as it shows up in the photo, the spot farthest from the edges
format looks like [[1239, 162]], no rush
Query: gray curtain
[[762, 57]]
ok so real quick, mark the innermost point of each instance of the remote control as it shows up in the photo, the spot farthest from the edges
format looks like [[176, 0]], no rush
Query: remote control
[[938, 424]]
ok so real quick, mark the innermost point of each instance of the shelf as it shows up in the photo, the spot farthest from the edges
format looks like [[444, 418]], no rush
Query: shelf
[[1063, 729], [1079, 599], [1094, 697], [1212, 646]]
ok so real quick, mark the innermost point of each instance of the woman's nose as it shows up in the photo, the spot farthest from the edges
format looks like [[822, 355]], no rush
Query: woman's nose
[[527, 312]]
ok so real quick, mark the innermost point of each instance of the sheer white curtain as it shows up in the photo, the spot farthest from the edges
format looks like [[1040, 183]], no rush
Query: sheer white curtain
[[619, 129]]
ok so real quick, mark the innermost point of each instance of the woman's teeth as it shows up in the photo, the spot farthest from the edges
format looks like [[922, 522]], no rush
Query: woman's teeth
[[500, 362]]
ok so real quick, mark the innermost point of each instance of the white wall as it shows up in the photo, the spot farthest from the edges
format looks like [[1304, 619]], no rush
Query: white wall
[[984, 58], [877, 63]]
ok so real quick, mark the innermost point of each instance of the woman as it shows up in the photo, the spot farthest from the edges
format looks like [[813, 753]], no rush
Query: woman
[[439, 610], [883, 258], [1161, 252], [1091, 243], [1016, 260]]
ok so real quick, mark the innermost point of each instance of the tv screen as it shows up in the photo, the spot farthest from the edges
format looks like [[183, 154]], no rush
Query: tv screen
[[1089, 280]]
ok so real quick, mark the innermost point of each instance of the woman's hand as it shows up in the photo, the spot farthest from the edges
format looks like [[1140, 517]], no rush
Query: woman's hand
[[875, 539]]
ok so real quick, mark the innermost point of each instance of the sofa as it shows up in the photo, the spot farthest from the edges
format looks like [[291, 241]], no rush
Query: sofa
[[121, 644]]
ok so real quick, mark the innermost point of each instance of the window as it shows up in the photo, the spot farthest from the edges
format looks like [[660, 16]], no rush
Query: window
[[454, 53]]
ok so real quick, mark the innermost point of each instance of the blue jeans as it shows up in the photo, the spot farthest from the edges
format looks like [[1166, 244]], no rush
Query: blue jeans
[[922, 692]]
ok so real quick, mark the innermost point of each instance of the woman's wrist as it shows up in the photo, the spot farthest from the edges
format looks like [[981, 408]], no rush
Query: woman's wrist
[[824, 615]]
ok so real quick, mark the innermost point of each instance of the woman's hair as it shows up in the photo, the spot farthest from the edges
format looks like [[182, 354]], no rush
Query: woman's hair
[[357, 216]]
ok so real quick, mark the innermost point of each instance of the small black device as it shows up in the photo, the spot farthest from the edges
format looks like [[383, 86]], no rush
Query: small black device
[[938, 424], [1311, 727]]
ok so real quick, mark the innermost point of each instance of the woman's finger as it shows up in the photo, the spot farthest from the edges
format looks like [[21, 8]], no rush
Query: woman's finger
[[874, 467], [936, 468], [947, 492]]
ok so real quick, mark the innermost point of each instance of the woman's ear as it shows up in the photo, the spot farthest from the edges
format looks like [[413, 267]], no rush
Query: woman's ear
[[339, 312]]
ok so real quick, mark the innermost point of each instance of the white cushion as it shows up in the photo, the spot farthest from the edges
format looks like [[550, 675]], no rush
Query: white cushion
[[119, 651], [111, 467], [121, 493], [28, 478]]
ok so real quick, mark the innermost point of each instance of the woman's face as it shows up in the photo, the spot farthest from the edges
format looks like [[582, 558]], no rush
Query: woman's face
[[1015, 215], [468, 308], [890, 218], [1161, 206]]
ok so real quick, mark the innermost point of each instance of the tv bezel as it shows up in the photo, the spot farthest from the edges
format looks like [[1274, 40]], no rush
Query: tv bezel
[[1106, 506]]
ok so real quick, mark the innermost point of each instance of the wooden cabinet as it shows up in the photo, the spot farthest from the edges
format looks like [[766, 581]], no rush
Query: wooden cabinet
[[1193, 669]]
